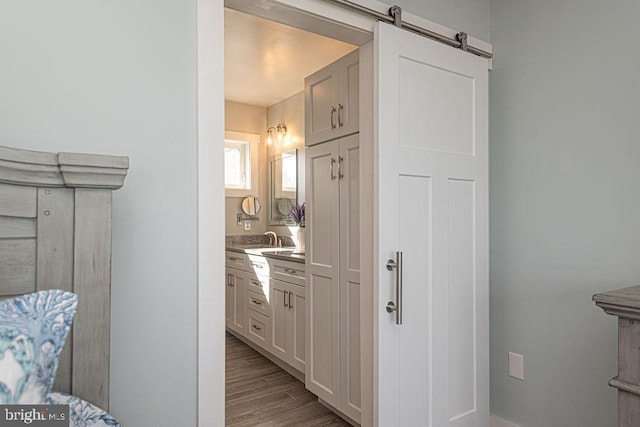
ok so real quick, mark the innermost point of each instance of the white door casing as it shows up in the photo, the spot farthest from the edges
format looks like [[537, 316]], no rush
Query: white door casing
[[431, 157]]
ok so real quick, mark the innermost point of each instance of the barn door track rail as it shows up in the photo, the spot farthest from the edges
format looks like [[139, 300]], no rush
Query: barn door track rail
[[395, 17]]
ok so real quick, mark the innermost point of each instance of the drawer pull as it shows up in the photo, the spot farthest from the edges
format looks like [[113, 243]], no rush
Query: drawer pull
[[256, 327], [290, 306], [232, 258], [284, 299], [255, 282], [230, 280], [290, 270], [257, 265], [256, 302]]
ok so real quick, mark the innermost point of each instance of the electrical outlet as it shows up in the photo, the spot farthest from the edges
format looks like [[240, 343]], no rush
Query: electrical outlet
[[247, 225], [516, 366]]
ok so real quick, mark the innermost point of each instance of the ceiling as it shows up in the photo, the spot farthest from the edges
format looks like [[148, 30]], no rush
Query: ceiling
[[266, 62]]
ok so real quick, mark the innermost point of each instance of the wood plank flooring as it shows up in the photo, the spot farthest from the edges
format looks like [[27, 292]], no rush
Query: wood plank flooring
[[259, 393]]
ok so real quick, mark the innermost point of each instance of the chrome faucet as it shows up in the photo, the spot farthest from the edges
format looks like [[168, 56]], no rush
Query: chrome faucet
[[275, 237]]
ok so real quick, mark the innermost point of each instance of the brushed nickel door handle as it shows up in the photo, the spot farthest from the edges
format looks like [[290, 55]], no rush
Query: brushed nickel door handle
[[333, 123], [331, 172], [397, 306]]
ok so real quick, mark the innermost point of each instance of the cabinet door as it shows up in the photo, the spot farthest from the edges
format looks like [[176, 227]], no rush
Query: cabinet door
[[235, 302], [321, 95], [296, 325], [279, 318], [350, 275], [229, 295], [348, 107], [322, 256]]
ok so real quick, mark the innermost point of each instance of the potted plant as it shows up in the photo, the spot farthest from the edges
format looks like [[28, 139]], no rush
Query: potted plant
[[297, 215]]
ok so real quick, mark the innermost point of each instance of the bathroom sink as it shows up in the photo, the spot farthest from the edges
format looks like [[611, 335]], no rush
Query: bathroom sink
[[257, 249], [263, 248], [254, 246], [279, 251]]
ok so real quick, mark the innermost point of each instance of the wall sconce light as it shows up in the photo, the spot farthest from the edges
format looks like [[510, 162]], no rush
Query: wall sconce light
[[276, 134]]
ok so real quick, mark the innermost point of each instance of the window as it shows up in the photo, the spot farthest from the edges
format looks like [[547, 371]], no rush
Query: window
[[237, 164], [241, 164]]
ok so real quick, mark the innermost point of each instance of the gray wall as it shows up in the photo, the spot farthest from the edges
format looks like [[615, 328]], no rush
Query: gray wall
[[470, 16], [119, 77], [565, 168]]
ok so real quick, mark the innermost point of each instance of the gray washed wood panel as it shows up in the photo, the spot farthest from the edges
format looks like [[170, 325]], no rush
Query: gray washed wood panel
[[68, 246], [18, 201], [17, 228], [18, 266], [91, 282], [28, 156], [54, 268], [625, 303]]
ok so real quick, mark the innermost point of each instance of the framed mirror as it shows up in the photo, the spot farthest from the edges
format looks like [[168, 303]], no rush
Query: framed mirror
[[283, 186]]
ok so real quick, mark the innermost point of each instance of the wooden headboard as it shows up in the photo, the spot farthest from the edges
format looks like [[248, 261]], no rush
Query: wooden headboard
[[55, 233]]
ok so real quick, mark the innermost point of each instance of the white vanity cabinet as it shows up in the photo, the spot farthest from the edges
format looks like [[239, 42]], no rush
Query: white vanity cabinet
[[236, 279], [265, 303], [288, 315], [333, 273], [332, 100]]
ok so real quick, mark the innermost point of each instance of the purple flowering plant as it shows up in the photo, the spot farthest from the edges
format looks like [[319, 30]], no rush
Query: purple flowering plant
[[297, 214]]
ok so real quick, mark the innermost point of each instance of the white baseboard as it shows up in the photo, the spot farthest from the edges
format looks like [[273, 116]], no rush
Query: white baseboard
[[496, 421]]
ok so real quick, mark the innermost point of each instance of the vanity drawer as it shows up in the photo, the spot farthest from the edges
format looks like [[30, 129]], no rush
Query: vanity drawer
[[258, 302], [287, 271], [258, 329], [235, 260], [258, 284], [257, 264]]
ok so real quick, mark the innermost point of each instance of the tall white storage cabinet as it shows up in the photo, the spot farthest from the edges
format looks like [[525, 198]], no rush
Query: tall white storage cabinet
[[333, 273], [331, 101]]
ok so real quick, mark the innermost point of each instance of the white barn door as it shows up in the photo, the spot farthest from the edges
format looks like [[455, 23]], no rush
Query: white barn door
[[431, 112]]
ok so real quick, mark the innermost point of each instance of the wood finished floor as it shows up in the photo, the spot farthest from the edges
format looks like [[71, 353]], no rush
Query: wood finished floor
[[259, 393]]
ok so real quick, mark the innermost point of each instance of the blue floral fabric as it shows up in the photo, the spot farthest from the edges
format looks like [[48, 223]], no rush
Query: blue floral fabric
[[33, 330], [81, 413]]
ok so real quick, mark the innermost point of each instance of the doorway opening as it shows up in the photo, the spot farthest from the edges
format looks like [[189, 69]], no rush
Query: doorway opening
[[266, 63]]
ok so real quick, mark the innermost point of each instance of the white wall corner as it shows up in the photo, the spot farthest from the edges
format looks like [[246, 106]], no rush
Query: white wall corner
[[496, 421]]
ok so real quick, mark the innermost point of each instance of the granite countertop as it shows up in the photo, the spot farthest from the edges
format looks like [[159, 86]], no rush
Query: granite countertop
[[285, 254]]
